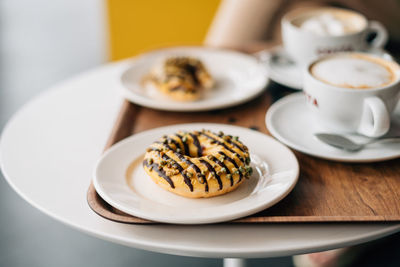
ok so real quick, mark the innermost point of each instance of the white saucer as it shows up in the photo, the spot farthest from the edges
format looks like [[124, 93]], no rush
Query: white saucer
[[276, 178], [290, 122], [282, 70], [239, 78]]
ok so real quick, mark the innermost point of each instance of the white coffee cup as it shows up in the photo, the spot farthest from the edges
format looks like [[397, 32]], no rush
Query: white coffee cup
[[340, 103], [304, 45]]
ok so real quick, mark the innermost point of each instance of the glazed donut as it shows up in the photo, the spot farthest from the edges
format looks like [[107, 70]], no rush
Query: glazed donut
[[181, 78], [198, 164]]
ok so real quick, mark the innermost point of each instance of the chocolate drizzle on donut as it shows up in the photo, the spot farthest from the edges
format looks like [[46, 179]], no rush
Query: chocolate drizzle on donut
[[186, 179], [236, 145], [231, 160], [213, 172], [185, 145], [222, 164], [172, 141], [160, 172], [197, 144], [196, 169], [224, 145]]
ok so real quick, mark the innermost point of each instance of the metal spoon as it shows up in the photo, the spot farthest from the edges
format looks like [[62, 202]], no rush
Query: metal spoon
[[342, 142]]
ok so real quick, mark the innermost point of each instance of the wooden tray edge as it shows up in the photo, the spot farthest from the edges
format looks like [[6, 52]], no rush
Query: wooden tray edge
[[94, 201]]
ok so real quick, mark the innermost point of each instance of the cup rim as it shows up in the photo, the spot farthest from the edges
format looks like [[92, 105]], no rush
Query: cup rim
[[338, 88], [293, 14]]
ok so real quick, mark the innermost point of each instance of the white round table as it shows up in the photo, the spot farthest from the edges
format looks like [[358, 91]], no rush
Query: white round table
[[47, 153]]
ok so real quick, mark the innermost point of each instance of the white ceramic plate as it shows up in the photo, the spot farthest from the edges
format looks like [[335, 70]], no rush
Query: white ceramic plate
[[290, 122], [239, 78], [143, 198]]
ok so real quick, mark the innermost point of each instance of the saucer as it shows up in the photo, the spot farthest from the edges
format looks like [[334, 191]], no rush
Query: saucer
[[290, 121], [120, 180], [283, 70], [238, 78]]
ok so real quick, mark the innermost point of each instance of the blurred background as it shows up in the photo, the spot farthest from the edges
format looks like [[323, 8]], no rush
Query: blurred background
[[43, 42]]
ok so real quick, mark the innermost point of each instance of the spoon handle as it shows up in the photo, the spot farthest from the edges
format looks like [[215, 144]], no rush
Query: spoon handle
[[385, 139]]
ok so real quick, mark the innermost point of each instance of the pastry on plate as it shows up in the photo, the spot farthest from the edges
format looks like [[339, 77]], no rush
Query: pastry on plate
[[198, 164], [181, 78]]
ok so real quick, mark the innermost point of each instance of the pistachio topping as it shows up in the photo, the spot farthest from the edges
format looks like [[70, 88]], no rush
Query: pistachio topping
[[241, 169], [201, 179], [195, 157], [249, 170]]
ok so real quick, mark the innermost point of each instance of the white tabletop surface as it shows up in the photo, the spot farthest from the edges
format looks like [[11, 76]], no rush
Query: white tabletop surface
[[47, 153]]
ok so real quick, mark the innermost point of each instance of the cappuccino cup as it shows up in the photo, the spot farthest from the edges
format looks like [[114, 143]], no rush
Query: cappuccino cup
[[308, 34], [352, 92]]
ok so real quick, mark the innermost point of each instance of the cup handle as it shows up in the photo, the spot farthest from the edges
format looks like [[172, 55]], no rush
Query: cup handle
[[381, 37], [375, 119]]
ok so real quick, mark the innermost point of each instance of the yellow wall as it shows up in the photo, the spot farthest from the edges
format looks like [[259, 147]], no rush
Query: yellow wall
[[140, 25]]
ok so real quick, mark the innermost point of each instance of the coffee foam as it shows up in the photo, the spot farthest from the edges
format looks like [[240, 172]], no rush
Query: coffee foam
[[330, 22], [353, 71]]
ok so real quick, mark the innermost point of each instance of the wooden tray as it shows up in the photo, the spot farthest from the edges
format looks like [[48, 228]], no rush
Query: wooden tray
[[326, 191]]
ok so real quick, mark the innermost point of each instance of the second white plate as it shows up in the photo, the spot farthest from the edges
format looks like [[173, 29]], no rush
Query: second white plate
[[239, 78], [133, 192]]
